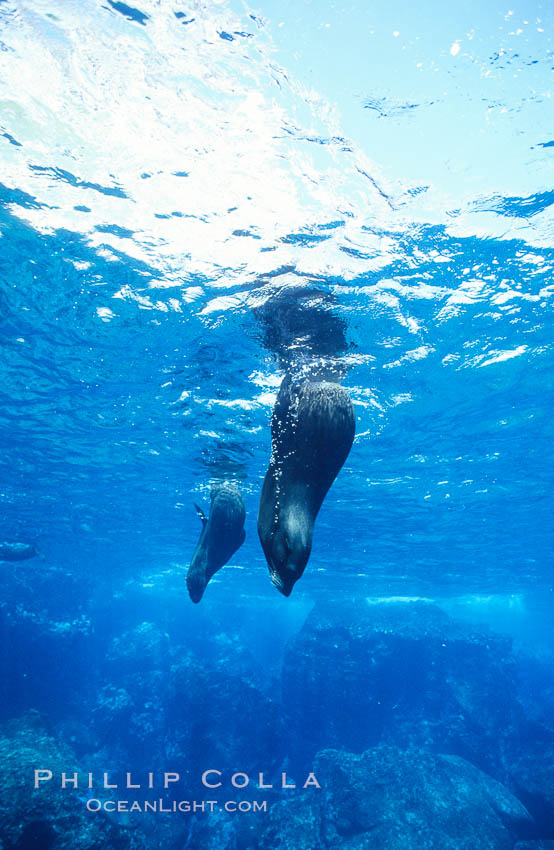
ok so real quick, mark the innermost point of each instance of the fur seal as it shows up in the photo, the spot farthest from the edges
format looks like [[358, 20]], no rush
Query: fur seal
[[16, 551], [222, 534], [299, 324], [312, 431]]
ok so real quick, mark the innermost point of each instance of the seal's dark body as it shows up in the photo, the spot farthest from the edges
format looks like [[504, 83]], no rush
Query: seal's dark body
[[222, 534], [312, 430], [16, 551]]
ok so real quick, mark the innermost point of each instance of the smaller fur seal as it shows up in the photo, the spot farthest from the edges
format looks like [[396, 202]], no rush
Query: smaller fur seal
[[17, 551], [222, 534], [312, 431]]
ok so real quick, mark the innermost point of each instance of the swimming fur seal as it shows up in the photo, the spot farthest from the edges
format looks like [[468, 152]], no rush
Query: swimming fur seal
[[312, 431], [16, 551], [222, 534]]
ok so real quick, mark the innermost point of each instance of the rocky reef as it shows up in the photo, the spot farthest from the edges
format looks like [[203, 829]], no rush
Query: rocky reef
[[423, 732], [408, 675], [49, 818], [394, 799], [404, 674]]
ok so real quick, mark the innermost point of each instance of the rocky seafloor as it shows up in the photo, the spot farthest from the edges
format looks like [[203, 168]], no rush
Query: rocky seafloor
[[423, 732]]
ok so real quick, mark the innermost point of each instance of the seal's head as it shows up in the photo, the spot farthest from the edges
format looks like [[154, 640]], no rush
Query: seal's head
[[287, 550], [196, 583]]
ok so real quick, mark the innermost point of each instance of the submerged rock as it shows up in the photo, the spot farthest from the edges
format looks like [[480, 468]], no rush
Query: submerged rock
[[530, 763], [49, 817], [158, 704], [534, 845], [129, 704], [216, 718], [408, 675], [145, 647], [42, 662], [399, 673], [391, 799]]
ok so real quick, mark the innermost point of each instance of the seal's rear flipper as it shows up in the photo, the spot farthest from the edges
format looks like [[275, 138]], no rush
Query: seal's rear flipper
[[201, 514]]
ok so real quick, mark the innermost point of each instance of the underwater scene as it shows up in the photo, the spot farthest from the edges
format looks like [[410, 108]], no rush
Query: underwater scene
[[277, 383]]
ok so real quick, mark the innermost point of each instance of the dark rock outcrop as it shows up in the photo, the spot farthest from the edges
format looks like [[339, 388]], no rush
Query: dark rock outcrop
[[49, 817], [408, 675], [45, 627], [219, 719], [30, 644], [161, 705], [404, 674], [391, 799], [534, 845]]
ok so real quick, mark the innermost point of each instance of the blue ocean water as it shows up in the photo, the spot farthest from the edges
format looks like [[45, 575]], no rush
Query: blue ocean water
[[164, 171]]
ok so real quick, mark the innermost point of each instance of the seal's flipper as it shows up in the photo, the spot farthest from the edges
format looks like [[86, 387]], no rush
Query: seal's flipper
[[201, 514]]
